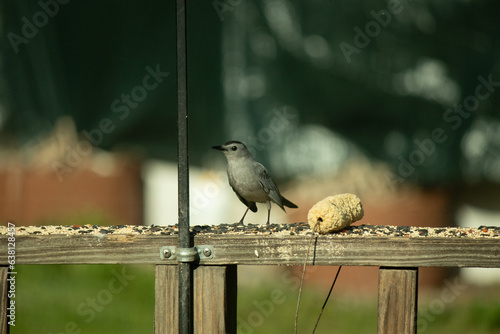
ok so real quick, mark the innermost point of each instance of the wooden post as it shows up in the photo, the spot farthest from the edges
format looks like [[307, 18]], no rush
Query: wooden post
[[215, 293], [397, 300], [4, 299], [166, 299]]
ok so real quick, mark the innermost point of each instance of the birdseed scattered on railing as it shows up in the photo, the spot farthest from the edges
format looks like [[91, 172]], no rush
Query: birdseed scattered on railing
[[257, 229]]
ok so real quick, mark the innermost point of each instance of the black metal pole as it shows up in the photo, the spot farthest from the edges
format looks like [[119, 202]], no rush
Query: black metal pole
[[185, 269]]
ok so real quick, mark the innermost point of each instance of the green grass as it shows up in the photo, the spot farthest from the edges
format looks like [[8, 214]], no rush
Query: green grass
[[258, 314], [84, 299], [120, 299], [475, 310]]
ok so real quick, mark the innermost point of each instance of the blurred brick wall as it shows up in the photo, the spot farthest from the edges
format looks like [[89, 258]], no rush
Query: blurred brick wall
[[30, 196]]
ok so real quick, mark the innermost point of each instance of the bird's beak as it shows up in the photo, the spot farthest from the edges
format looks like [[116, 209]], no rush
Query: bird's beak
[[219, 148]]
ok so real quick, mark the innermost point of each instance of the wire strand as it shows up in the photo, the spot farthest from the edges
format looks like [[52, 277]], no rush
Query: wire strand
[[326, 300], [302, 279]]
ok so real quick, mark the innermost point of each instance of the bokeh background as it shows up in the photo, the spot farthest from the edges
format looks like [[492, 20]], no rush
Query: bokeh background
[[395, 101]]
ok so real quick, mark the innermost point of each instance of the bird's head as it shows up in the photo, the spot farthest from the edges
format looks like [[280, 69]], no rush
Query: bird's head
[[233, 150]]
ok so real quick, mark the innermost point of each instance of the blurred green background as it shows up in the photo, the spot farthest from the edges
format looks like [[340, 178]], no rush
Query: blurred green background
[[375, 74]]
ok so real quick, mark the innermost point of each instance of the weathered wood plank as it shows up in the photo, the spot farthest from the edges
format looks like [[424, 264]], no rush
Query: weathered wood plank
[[166, 300], [214, 294], [397, 300], [260, 249], [4, 300], [215, 290]]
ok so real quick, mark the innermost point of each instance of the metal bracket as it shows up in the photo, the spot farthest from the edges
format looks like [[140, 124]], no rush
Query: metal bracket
[[174, 253]]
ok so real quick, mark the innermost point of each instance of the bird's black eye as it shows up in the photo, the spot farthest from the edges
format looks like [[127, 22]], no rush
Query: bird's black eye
[[234, 148]]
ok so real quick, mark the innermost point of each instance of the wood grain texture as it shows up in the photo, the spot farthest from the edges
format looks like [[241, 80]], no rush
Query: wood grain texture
[[397, 300], [166, 300], [259, 249], [215, 299], [214, 294], [4, 300]]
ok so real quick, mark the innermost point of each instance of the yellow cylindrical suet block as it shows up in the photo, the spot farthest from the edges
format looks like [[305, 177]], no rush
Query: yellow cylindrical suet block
[[335, 213]]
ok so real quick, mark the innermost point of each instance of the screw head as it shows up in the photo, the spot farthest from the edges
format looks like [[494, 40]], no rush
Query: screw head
[[207, 252], [167, 253]]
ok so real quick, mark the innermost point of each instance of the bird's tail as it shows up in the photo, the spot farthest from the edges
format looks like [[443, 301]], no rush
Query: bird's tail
[[287, 203]]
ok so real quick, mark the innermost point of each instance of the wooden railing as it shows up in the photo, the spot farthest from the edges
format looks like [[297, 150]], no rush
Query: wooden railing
[[397, 251]]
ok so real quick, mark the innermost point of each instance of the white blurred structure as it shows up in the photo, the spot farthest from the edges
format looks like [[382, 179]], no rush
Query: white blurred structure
[[469, 216], [212, 201]]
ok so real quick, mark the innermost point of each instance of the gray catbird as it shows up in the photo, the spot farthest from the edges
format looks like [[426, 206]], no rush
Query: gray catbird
[[250, 180]]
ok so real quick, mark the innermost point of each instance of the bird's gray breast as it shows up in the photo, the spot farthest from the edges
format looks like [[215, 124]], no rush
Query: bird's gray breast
[[245, 179]]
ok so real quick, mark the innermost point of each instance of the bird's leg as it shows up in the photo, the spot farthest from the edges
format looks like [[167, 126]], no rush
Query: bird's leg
[[241, 220], [268, 211]]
